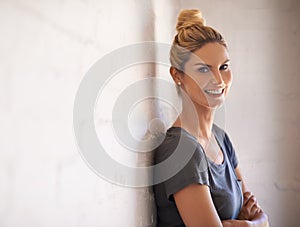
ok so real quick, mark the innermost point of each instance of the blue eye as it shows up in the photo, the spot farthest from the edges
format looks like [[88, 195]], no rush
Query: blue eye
[[203, 69], [224, 67]]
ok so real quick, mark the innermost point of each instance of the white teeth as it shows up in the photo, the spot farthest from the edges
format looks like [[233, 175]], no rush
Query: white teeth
[[214, 92]]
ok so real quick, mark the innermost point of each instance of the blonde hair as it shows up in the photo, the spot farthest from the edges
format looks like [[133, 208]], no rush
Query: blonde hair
[[192, 34]]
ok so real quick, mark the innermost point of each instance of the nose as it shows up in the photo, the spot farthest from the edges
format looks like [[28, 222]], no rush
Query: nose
[[217, 78]]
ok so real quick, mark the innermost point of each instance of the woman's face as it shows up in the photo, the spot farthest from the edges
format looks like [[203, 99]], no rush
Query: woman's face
[[207, 77]]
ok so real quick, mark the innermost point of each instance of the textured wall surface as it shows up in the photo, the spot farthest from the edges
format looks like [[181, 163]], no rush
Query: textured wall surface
[[47, 47]]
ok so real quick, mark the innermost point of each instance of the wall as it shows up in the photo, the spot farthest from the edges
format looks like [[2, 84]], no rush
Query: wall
[[46, 49], [48, 46]]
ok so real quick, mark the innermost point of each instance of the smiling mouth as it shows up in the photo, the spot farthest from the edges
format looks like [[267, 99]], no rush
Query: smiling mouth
[[214, 91]]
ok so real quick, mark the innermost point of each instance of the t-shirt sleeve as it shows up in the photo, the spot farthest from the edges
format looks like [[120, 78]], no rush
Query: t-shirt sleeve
[[195, 171], [231, 151]]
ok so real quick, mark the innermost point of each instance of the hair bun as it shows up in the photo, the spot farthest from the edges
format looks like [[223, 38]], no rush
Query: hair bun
[[188, 18]]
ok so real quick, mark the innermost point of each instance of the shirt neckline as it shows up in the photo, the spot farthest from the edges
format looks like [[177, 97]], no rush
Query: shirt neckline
[[194, 138]]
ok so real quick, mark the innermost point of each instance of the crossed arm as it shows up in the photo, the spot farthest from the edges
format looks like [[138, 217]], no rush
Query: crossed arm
[[196, 208]]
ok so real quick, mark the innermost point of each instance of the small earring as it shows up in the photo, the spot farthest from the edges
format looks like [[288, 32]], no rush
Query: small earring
[[178, 83]]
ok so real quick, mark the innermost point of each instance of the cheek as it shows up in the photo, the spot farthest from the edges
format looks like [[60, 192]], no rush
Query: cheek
[[194, 88], [227, 78], [197, 87]]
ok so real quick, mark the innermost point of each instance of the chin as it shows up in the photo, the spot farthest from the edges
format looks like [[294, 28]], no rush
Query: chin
[[215, 104]]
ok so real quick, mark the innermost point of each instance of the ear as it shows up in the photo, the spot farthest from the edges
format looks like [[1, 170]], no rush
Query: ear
[[176, 74]]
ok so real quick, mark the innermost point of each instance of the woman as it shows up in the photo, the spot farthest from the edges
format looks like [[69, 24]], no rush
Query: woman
[[196, 196]]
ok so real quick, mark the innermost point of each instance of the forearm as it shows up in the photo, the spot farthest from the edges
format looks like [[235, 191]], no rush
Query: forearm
[[236, 223], [260, 220]]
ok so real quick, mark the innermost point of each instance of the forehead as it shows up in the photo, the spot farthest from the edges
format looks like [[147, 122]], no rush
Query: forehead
[[211, 54]]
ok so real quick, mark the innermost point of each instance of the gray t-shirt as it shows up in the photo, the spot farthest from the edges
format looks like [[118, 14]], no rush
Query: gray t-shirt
[[225, 188]]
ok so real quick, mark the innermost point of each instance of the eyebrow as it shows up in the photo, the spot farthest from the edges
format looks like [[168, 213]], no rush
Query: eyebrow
[[210, 65]]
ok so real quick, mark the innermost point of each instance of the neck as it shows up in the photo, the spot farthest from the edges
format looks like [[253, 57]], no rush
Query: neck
[[192, 112]]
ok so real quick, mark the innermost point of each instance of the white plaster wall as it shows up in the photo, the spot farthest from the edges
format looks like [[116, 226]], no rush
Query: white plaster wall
[[46, 48]]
